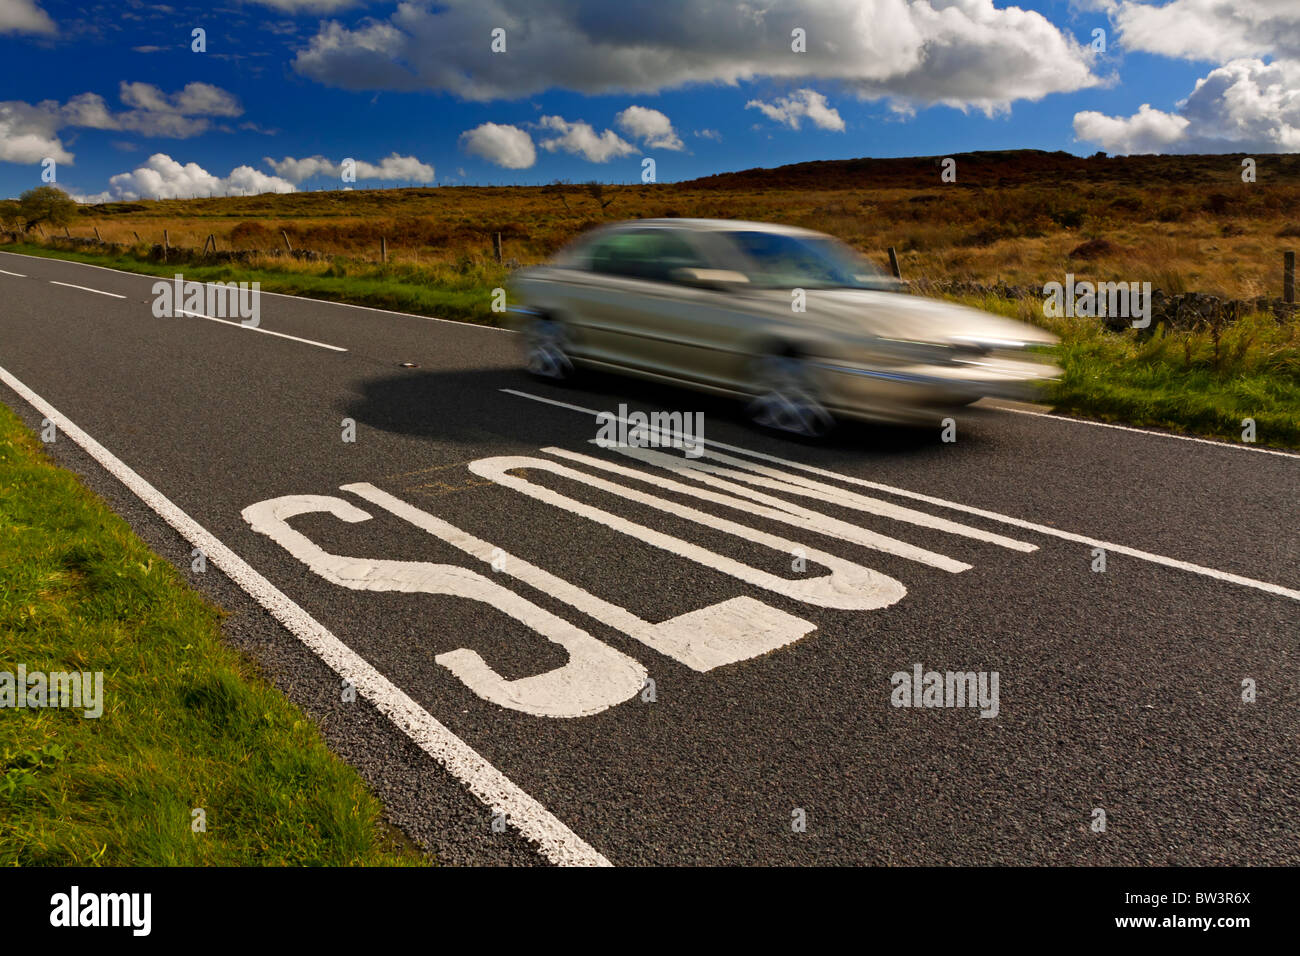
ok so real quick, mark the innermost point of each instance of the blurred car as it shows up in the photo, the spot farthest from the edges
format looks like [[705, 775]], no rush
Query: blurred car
[[791, 320]]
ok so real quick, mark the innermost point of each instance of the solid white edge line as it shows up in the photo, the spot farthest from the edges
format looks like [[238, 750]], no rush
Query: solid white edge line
[[85, 289], [255, 328], [17, 275], [282, 295], [554, 840], [1146, 431], [967, 509]]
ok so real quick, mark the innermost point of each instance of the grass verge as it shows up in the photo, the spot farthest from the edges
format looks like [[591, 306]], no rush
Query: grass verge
[[461, 291], [186, 723], [1203, 382]]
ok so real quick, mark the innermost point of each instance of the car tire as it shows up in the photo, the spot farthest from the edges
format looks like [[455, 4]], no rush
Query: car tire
[[546, 351], [785, 398]]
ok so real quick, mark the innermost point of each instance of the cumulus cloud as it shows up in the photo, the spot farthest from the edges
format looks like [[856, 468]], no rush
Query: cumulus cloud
[[24, 16], [506, 146], [307, 6], [391, 167], [1243, 105], [651, 127], [29, 133], [1249, 101], [581, 139], [162, 177], [1211, 29], [965, 53], [1146, 131], [800, 105]]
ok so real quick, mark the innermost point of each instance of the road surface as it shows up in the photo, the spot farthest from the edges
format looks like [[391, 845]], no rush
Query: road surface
[[540, 650]]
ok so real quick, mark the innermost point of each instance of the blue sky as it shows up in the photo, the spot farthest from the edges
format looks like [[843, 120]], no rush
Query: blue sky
[[585, 89]]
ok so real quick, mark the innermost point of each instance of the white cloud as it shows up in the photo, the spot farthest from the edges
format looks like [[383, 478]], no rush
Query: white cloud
[[652, 127], [162, 177], [965, 53], [582, 140], [1211, 30], [712, 134], [392, 167], [24, 16], [29, 133], [800, 105], [1146, 131], [307, 6], [506, 146], [1249, 101], [1243, 105]]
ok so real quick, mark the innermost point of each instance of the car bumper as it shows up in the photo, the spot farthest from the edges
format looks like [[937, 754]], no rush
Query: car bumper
[[914, 394]]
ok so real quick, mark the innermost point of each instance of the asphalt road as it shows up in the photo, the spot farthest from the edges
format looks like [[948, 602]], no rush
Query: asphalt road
[[1118, 690]]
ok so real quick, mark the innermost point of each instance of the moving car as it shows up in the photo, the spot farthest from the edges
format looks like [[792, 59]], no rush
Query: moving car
[[796, 323]]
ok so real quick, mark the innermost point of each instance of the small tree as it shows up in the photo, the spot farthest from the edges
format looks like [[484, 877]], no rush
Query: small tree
[[10, 215], [46, 204], [597, 192]]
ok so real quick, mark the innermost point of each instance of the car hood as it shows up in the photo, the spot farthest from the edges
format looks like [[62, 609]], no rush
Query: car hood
[[901, 315]]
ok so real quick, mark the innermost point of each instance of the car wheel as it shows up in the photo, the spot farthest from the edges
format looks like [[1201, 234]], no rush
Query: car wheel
[[546, 351], [785, 398]]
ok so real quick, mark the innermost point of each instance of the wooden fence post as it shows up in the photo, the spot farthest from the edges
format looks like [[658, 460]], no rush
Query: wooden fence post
[[98, 238], [286, 240], [1288, 277], [496, 246], [383, 248], [893, 263], [66, 233]]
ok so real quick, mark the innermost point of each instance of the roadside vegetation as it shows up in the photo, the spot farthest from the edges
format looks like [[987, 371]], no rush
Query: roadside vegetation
[[1021, 218], [187, 723]]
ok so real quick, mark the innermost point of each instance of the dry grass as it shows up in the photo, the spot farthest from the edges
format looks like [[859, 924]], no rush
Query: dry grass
[[1182, 223]]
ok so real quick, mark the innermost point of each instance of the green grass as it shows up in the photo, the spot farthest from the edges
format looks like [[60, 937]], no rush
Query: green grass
[[186, 721], [462, 291], [1181, 381], [1185, 381]]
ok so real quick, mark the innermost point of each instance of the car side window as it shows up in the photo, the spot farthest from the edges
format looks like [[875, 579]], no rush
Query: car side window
[[649, 254]]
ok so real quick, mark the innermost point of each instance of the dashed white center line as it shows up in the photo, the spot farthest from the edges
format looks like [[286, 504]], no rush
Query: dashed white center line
[[17, 274], [86, 289], [253, 328]]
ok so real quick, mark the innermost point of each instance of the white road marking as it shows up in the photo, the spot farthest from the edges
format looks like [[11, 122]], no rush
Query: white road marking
[[1147, 431], [595, 678], [283, 295], [724, 633], [87, 289], [768, 507], [848, 586], [18, 275], [1258, 585], [554, 840], [255, 328], [796, 485]]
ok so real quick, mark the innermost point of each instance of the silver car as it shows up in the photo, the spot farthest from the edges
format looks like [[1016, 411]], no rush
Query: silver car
[[792, 321]]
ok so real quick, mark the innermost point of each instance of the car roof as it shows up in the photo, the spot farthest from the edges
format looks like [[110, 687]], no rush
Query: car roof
[[719, 225]]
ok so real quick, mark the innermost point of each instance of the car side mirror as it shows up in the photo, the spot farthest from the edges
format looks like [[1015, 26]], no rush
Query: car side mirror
[[721, 279]]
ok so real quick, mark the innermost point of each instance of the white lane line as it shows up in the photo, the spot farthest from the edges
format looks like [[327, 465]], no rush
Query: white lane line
[[282, 295], [1145, 431], [1265, 586], [554, 840], [254, 328], [16, 274], [87, 289]]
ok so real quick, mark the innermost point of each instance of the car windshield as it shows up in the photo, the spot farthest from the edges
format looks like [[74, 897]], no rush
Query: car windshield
[[779, 260]]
